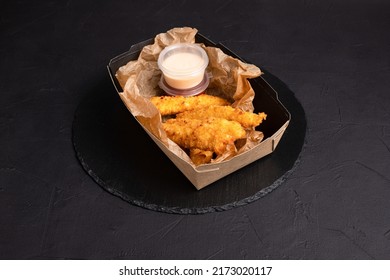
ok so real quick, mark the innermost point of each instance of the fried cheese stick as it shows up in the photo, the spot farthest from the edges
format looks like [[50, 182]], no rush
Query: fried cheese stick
[[212, 134], [246, 119], [170, 105]]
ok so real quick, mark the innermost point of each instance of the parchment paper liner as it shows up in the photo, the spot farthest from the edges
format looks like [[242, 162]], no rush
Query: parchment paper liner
[[139, 80]]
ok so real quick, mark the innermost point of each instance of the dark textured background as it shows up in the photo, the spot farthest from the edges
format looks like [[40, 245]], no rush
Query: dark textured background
[[334, 55]]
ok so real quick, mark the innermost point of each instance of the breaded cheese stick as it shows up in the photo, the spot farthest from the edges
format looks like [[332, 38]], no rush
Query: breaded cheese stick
[[170, 105], [212, 134], [246, 119]]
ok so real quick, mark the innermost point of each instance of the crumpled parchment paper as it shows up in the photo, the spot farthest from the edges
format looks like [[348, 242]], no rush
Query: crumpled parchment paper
[[139, 81]]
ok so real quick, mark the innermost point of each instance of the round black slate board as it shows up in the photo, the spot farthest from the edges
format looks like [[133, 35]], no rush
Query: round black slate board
[[118, 154]]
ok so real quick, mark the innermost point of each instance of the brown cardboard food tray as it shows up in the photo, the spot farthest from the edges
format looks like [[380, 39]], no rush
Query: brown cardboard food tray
[[266, 100]]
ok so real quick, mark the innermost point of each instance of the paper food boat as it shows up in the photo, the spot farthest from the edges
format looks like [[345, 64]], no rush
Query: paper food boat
[[266, 100]]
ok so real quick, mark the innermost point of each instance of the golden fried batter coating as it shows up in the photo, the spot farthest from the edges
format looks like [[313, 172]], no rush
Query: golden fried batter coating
[[212, 134], [170, 105], [246, 119], [199, 157]]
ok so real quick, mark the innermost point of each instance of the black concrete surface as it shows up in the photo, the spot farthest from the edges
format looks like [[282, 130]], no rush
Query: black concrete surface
[[333, 55]]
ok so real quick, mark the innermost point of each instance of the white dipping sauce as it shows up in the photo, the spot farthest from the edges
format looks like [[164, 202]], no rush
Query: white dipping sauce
[[183, 62], [183, 65]]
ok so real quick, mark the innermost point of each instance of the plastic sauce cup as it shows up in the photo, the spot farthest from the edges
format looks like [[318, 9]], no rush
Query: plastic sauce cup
[[183, 65]]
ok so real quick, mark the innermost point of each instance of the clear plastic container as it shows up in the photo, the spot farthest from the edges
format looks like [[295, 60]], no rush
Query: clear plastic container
[[183, 66], [201, 87]]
